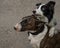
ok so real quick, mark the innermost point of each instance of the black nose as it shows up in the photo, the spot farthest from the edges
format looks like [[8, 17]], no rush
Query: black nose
[[34, 12], [15, 28]]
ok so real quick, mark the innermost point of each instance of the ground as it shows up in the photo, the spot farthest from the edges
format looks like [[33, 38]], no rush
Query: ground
[[11, 12]]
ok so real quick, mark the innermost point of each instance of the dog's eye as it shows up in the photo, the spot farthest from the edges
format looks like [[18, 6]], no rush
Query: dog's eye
[[43, 8], [23, 22]]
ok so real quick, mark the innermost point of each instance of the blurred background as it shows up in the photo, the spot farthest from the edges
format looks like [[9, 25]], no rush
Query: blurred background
[[11, 12]]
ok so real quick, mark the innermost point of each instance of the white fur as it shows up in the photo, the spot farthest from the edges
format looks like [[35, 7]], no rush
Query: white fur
[[52, 32], [38, 11], [18, 26], [35, 40], [42, 18]]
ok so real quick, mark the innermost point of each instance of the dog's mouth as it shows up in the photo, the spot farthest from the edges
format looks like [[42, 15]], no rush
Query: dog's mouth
[[28, 28]]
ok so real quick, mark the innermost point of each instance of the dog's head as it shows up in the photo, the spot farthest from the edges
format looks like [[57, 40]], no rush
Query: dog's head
[[30, 23], [45, 9]]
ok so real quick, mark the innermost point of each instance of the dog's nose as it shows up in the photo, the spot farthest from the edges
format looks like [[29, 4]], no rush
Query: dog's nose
[[15, 28], [34, 12]]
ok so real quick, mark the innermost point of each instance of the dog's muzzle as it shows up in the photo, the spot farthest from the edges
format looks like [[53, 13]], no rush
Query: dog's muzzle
[[17, 27]]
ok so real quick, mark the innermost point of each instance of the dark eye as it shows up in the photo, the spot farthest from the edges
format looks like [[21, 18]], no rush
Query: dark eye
[[24, 22], [43, 8]]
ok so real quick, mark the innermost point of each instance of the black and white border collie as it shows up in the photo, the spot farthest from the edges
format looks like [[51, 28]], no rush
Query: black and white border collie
[[46, 10], [38, 32]]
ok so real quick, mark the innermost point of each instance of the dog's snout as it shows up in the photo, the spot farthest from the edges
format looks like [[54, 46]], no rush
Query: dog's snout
[[34, 12], [17, 27]]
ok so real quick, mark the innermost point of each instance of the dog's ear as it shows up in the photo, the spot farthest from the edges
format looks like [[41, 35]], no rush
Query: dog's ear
[[51, 3], [38, 4]]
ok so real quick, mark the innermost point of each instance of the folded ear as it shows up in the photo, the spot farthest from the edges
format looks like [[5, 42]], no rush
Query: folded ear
[[38, 4], [51, 3]]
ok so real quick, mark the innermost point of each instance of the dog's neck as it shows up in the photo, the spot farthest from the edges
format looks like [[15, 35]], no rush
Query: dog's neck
[[39, 30], [40, 34], [36, 39]]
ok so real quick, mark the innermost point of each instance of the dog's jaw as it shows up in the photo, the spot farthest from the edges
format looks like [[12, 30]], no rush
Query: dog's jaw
[[35, 40]]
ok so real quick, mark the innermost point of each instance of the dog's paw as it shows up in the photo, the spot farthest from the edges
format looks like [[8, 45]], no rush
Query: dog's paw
[[52, 32]]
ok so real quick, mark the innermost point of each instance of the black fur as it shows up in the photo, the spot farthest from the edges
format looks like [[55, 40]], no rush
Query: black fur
[[48, 10]]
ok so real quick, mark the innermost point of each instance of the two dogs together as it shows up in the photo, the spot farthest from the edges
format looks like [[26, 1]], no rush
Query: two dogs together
[[40, 32]]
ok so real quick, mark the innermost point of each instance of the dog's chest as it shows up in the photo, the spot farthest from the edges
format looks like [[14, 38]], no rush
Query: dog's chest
[[36, 39]]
